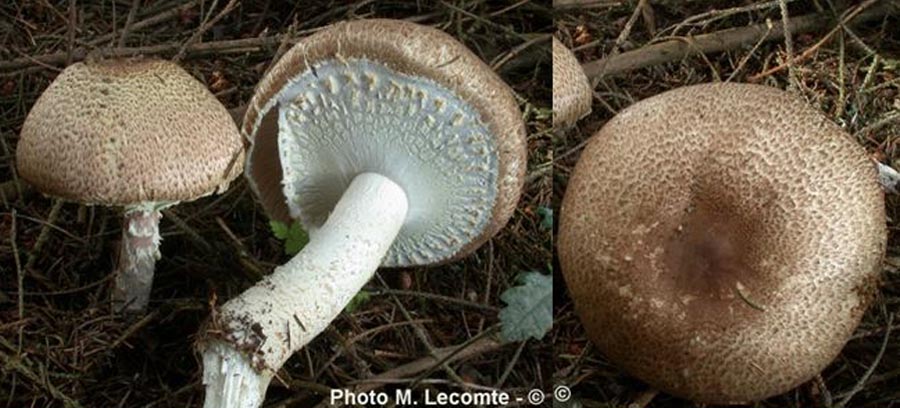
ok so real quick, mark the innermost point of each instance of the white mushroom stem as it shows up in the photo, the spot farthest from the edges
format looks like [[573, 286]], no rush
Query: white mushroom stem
[[138, 254], [265, 325]]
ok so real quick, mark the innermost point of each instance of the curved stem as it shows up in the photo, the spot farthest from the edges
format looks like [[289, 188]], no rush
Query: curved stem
[[138, 254], [265, 325]]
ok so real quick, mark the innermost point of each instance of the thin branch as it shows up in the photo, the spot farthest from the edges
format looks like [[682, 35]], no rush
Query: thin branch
[[423, 337], [506, 57], [676, 49], [132, 330], [240, 46], [747, 57], [20, 278], [22, 366], [644, 399], [862, 381], [788, 45], [585, 4], [510, 365], [135, 5], [706, 18], [447, 354], [811, 50], [65, 57], [70, 34], [27, 63], [149, 22], [205, 26], [628, 26], [282, 48], [827, 401], [437, 297], [15, 190], [44, 235]]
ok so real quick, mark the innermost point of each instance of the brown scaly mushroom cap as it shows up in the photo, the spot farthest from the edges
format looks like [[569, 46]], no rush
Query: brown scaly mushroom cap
[[398, 99], [126, 132], [571, 89], [721, 242]]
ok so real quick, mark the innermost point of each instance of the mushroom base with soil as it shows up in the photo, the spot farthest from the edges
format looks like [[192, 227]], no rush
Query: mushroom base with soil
[[256, 332]]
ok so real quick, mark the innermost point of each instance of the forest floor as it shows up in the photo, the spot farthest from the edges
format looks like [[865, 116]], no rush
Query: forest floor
[[60, 344]]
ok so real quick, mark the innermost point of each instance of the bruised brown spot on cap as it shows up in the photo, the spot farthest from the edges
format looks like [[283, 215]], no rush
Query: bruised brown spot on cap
[[706, 259]]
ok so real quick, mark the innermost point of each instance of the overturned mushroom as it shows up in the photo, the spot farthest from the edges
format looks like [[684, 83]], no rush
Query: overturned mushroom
[[394, 145], [140, 134], [721, 242], [571, 89]]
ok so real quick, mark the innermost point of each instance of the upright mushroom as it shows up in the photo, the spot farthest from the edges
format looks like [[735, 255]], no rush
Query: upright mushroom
[[571, 89], [394, 145], [722, 241], [140, 134]]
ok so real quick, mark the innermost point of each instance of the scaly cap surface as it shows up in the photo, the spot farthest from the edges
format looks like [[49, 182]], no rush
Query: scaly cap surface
[[722, 241], [124, 132], [571, 89]]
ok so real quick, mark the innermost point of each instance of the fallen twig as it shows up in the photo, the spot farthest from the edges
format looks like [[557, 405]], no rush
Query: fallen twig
[[585, 4], [205, 25], [11, 190], [135, 5], [282, 48], [628, 26], [809, 51], [437, 297], [21, 366], [190, 232], [504, 58], [150, 21], [44, 234], [423, 337], [134, 328], [20, 279], [678, 48], [706, 18], [447, 354], [862, 381], [217, 47], [70, 32], [788, 45], [644, 399], [250, 264]]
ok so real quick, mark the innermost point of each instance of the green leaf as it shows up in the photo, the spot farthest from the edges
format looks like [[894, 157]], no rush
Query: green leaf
[[279, 229], [360, 299], [297, 238], [529, 308], [294, 237], [546, 214]]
